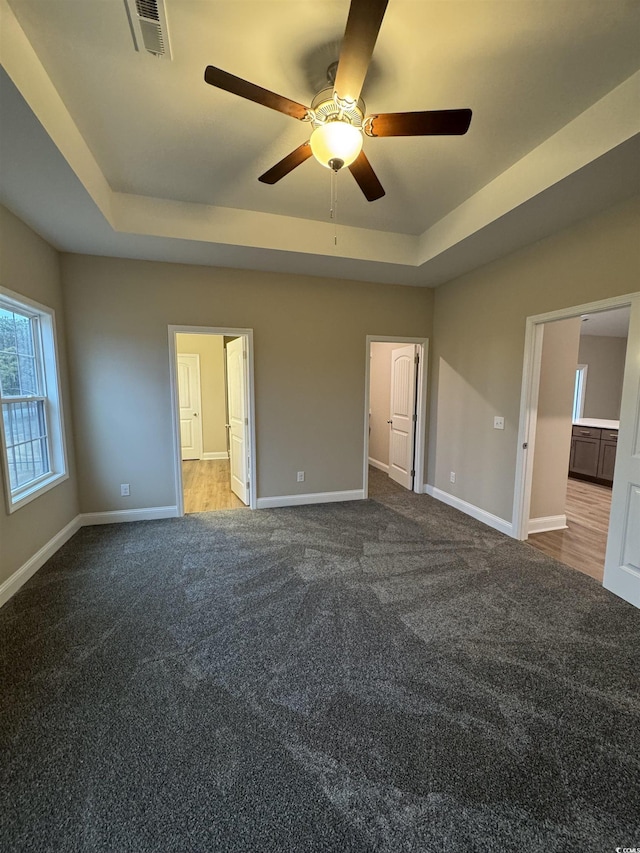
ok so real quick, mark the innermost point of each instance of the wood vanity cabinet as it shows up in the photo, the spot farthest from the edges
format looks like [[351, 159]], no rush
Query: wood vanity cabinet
[[593, 454], [607, 460]]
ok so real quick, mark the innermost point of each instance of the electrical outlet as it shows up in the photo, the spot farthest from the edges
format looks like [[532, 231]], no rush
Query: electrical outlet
[[498, 423], [452, 477], [124, 490], [301, 476]]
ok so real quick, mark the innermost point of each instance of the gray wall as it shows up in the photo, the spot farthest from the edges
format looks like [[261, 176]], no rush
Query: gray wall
[[605, 357], [310, 364], [554, 422], [478, 345], [310, 357], [30, 267]]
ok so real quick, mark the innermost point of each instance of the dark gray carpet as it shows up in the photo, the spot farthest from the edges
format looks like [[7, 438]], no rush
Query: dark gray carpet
[[386, 675]]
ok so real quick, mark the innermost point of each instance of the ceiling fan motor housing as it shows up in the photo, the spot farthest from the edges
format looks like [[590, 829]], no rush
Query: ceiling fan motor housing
[[326, 108], [336, 140]]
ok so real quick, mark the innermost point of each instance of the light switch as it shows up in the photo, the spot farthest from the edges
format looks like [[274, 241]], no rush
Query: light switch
[[498, 423]]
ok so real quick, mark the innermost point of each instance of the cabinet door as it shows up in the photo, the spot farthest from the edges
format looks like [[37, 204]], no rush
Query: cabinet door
[[585, 456], [607, 460]]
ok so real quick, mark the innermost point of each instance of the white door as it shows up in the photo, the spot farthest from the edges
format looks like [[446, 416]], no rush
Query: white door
[[402, 425], [190, 408], [622, 562], [238, 425]]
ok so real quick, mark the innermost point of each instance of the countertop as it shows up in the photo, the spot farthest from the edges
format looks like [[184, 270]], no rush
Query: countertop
[[597, 423]]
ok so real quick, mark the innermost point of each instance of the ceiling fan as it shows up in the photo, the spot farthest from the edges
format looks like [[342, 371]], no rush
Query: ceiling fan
[[337, 113]]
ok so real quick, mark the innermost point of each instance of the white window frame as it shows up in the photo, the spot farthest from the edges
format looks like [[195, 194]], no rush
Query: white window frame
[[47, 351]]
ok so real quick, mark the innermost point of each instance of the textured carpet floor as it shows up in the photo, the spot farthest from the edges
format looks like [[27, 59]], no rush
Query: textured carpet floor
[[384, 675]]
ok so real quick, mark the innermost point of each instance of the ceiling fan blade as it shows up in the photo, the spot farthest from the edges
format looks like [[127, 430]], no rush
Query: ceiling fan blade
[[237, 86], [427, 123], [366, 178], [363, 26], [290, 162]]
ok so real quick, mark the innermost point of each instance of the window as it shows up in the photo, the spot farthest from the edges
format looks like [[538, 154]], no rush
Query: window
[[579, 391], [31, 423]]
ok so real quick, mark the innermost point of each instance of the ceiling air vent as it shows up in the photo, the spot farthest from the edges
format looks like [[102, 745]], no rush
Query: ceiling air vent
[[148, 21]]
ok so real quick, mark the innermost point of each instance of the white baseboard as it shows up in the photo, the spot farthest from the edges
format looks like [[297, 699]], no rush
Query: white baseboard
[[380, 465], [215, 454], [117, 516], [542, 524], [28, 569], [470, 509], [317, 498]]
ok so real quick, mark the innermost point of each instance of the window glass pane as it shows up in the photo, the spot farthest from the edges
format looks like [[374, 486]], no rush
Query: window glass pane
[[7, 331], [25, 434], [9, 374], [28, 375], [7, 417], [30, 462], [18, 368], [24, 334], [26, 421], [13, 477]]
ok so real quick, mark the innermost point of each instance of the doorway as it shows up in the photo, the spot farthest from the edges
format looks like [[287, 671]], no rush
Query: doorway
[[213, 422], [580, 393], [583, 430], [395, 405]]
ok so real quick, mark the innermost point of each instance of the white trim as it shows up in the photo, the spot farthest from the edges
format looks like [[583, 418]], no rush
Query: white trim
[[175, 409], [421, 406], [469, 509], [215, 454], [28, 569], [529, 401], [117, 516], [379, 465], [544, 523], [317, 498]]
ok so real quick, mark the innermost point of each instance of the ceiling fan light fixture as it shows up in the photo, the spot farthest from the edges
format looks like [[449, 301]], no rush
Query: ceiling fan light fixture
[[336, 142]]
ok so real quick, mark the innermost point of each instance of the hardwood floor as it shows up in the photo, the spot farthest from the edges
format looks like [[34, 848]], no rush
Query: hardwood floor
[[582, 546], [206, 486]]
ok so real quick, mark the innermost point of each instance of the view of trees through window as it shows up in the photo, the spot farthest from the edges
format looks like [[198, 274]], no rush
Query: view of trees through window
[[23, 403]]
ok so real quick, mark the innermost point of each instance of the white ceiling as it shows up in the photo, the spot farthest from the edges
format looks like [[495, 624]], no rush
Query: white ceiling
[[613, 323], [115, 152]]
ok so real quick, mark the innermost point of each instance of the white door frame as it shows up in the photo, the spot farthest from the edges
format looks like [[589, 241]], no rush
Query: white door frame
[[247, 334], [529, 401], [421, 407]]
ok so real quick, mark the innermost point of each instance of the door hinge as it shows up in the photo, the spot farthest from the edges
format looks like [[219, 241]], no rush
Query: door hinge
[[413, 473], [525, 445], [417, 359], [246, 421], [414, 418], [244, 353], [248, 485]]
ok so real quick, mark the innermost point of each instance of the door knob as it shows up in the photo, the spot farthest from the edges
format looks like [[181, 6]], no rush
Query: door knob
[[389, 422], [195, 414]]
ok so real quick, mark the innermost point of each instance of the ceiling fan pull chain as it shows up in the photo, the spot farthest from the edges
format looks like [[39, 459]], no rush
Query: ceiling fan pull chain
[[335, 208], [334, 205]]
